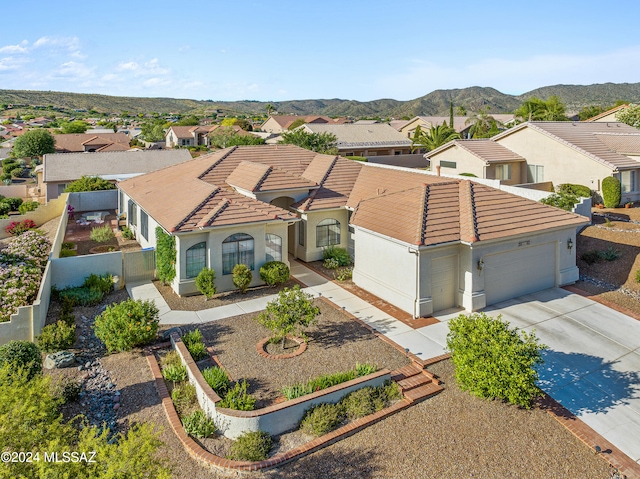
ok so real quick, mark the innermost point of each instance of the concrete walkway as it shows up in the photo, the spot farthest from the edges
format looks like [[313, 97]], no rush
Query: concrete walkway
[[592, 365]]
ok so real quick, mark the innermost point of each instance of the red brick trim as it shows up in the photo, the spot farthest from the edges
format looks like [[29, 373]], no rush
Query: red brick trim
[[302, 347], [591, 438], [197, 452]]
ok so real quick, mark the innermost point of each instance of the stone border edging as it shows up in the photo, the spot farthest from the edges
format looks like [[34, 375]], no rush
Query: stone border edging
[[199, 453], [302, 347]]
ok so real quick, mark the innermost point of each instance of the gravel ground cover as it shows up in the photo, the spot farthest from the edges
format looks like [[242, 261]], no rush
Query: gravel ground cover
[[335, 344], [609, 276], [197, 302]]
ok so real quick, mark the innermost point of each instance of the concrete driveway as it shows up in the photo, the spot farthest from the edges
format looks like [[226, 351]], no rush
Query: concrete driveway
[[592, 366]]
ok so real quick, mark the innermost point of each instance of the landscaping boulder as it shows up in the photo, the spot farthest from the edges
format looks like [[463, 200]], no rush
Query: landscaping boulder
[[61, 359], [166, 335]]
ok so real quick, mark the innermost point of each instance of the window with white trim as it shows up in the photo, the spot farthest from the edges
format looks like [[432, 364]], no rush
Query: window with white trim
[[273, 247], [196, 259], [535, 173], [448, 164], [628, 181], [237, 249], [144, 225], [503, 172], [328, 232]]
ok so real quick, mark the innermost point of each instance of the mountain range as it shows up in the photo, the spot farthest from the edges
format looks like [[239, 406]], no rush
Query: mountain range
[[435, 103]]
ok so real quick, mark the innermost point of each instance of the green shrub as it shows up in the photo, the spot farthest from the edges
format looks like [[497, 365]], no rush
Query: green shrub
[[564, 201], [102, 283], [610, 254], [21, 355], [68, 245], [128, 324], [242, 276], [57, 337], [469, 174], [361, 403], [165, 256], [591, 256], [183, 397], [577, 190], [102, 234], [611, 192], [638, 276], [27, 206], [340, 254], [82, 296], [327, 380], [493, 361], [171, 358], [217, 379], [322, 419], [66, 311], [66, 253], [127, 233], [608, 223], [344, 274], [193, 341], [14, 203], [251, 446], [206, 282], [363, 159], [4, 209], [331, 263], [71, 390], [198, 424], [238, 398], [274, 272], [19, 173], [175, 372], [8, 167]]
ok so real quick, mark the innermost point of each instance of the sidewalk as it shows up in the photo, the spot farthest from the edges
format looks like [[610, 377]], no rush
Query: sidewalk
[[415, 340]]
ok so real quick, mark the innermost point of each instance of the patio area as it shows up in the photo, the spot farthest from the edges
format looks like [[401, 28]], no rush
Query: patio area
[[78, 233]]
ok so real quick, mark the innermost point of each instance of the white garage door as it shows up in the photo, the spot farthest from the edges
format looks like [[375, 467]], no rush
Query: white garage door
[[518, 272], [444, 273]]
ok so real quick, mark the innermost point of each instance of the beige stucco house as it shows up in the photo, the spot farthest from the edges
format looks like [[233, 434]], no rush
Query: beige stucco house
[[279, 123], [609, 115], [558, 152], [377, 139], [422, 242]]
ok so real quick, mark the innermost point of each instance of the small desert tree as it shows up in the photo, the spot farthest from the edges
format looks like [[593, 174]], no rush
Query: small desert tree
[[291, 311], [205, 282], [493, 361], [242, 277]]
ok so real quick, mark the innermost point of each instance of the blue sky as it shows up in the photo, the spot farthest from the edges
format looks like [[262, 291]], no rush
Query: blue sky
[[284, 50]]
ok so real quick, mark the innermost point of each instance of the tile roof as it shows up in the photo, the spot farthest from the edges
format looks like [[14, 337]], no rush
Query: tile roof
[[256, 177], [285, 120], [583, 137], [71, 166], [353, 135], [623, 143], [460, 123], [75, 142], [458, 210], [615, 109], [485, 149]]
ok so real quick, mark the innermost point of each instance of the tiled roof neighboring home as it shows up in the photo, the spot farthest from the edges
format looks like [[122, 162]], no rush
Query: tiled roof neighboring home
[[75, 142], [285, 120], [352, 135], [71, 166], [254, 177], [623, 143], [457, 210], [584, 137], [485, 149], [605, 114]]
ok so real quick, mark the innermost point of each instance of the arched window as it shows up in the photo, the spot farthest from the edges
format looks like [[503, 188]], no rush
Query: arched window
[[273, 247], [236, 249], [196, 259], [328, 232]]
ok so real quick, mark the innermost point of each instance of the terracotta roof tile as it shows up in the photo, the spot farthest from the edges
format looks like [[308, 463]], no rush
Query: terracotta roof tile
[[252, 176], [485, 149], [75, 142], [336, 185]]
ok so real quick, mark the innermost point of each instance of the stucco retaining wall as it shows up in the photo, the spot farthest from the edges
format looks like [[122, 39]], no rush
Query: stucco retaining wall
[[94, 200], [274, 419], [73, 270], [41, 215]]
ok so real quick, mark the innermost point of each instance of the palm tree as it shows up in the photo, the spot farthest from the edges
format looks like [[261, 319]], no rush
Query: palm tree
[[435, 137], [481, 122], [269, 108]]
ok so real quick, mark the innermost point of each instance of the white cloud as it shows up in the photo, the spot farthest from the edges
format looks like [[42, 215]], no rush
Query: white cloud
[[11, 63], [128, 66], [67, 43], [21, 47], [156, 82], [72, 70]]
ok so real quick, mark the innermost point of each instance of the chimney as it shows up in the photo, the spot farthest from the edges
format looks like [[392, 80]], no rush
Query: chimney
[[438, 170]]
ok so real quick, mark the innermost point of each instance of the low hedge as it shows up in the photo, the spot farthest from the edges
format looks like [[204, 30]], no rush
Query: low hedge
[[274, 272]]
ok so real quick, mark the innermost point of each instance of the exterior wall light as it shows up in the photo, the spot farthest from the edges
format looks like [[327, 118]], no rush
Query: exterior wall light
[[480, 264], [570, 244]]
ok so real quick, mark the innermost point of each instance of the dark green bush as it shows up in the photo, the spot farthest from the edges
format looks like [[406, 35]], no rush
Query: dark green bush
[[183, 397], [14, 203], [4, 208], [340, 254], [274, 272], [199, 425], [322, 419], [102, 283], [361, 403], [576, 190], [193, 341], [21, 355], [27, 206], [57, 337], [242, 276], [251, 446], [127, 233], [19, 173], [128, 324], [327, 380], [165, 256], [82, 296], [494, 361], [610, 254], [590, 257], [206, 282], [611, 192], [238, 398], [217, 379]]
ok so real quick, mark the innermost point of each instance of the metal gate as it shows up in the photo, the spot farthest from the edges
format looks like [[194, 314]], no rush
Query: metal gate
[[139, 266]]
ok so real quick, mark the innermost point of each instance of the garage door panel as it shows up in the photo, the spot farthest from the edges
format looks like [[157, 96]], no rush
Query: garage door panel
[[517, 272]]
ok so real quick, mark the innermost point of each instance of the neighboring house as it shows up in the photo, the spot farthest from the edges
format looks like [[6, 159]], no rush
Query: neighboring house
[[188, 136], [609, 115], [559, 152], [461, 124], [378, 139], [58, 170], [87, 142], [280, 123], [40, 121], [422, 242]]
